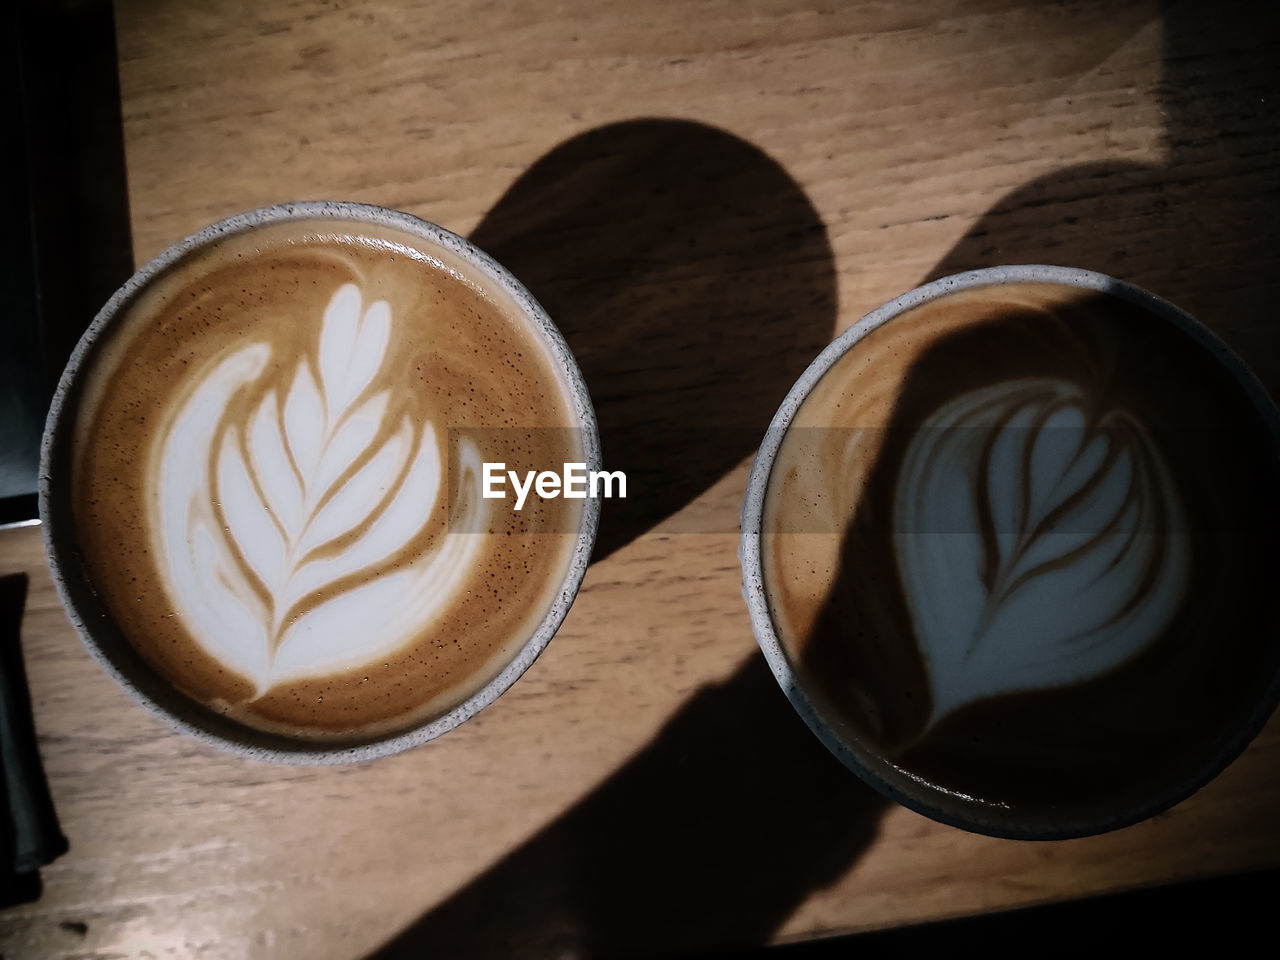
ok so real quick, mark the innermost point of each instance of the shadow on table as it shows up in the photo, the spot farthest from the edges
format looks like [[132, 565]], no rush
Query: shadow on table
[[734, 814], [1180, 920], [694, 282], [708, 838], [1202, 229]]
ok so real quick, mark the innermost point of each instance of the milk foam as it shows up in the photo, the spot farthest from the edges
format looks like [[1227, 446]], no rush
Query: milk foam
[[267, 522], [1035, 549]]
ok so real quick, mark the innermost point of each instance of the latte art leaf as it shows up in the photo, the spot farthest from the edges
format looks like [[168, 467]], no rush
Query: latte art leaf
[[1035, 549], [269, 524]]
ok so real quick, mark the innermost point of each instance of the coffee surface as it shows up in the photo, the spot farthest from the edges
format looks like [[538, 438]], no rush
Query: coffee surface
[[278, 474], [1017, 545]]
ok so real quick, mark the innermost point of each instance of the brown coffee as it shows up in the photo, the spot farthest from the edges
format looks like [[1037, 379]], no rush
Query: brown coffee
[[1019, 546], [277, 477]]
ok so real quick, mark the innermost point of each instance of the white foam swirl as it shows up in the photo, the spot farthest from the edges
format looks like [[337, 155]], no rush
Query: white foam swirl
[[1035, 549], [251, 545]]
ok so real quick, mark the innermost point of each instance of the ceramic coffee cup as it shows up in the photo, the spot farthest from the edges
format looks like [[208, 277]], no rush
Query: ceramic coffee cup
[[261, 483], [1009, 547]]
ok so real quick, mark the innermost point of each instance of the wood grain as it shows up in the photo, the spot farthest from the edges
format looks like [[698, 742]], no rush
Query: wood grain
[[642, 778]]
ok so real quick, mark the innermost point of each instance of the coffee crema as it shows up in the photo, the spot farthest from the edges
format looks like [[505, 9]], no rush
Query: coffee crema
[[276, 487], [1017, 544]]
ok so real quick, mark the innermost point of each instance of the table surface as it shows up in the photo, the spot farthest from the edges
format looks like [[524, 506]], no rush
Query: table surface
[[703, 193]]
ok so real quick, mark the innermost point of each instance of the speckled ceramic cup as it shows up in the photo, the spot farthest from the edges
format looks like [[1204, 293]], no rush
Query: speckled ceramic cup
[[260, 483], [1009, 547]]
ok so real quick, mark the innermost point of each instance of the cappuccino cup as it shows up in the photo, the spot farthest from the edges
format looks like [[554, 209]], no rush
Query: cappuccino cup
[[261, 483], [1010, 548]]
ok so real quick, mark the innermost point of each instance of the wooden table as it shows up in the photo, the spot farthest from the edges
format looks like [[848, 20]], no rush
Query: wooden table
[[645, 788]]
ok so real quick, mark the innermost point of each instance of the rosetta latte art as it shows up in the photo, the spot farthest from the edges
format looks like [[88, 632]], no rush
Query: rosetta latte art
[[1035, 548], [274, 524]]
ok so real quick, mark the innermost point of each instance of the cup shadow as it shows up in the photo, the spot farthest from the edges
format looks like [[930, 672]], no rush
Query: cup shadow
[[1200, 229], [707, 839], [693, 280]]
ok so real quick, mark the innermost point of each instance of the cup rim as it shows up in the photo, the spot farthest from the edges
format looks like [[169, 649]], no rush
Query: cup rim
[[765, 629], [185, 714]]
